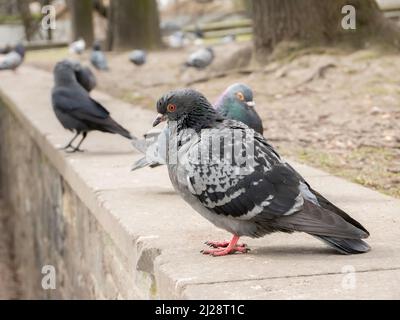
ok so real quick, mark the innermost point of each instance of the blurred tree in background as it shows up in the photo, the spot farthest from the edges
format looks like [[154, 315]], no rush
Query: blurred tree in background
[[133, 24], [317, 22], [82, 20], [26, 17]]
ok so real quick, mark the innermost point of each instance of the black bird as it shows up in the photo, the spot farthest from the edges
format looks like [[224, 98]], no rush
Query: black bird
[[244, 187], [84, 76], [76, 110]]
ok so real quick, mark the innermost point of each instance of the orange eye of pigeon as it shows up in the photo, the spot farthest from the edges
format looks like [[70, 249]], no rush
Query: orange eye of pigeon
[[240, 96], [171, 108]]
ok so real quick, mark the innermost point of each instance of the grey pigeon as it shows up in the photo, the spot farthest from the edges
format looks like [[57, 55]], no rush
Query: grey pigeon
[[228, 39], [76, 110], [77, 47], [177, 40], [13, 59], [98, 58], [243, 186], [201, 58], [85, 77], [237, 103], [138, 57]]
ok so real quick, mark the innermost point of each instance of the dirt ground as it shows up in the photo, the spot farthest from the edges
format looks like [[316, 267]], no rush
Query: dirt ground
[[329, 108]]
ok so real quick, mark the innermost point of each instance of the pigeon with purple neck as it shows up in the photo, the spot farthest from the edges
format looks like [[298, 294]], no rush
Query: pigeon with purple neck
[[237, 103]]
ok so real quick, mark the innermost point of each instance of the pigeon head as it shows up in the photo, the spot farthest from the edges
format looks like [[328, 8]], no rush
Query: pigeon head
[[237, 103], [20, 49], [64, 72], [211, 50], [97, 46], [188, 107], [236, 96]]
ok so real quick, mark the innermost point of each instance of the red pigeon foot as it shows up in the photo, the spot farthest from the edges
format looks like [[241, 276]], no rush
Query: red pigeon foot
[[223, 244], [231, 247]]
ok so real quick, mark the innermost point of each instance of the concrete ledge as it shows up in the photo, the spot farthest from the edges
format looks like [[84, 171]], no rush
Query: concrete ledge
[[154, 238]]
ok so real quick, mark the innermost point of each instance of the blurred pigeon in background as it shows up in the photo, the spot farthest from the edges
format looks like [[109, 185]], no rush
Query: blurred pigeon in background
[[13, 59], [98, 58], [198, 32], [201, 58], [138, 57], [237, 103], [76, 110], [253, 195], [228, 39], [177, 40], [5, 50], [77, 47], [84, 76]]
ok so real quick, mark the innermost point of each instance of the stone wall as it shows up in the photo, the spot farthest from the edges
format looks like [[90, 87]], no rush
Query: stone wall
[[51, 226]]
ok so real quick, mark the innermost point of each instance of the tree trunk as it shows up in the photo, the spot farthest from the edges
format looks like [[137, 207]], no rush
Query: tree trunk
[[134, 24], [49, 30], [26, 17], [82, 20], [314, 22]]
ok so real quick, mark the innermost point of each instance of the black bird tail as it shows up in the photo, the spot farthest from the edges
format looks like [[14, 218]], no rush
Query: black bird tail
[[115, 127], [346, 246]]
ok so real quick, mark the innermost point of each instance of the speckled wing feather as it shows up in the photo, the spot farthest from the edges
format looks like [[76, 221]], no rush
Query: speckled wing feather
[[228, 188]]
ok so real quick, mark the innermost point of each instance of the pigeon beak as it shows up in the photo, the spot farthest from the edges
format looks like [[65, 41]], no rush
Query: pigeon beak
[[251, 104], [160, 118]]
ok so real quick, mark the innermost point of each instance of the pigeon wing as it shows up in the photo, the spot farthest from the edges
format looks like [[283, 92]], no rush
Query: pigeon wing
[[268, 187]]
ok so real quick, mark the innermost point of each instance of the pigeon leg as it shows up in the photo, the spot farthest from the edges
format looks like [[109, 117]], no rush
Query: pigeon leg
[[69, 145], [231, 248], [76, 149], [223, 244]]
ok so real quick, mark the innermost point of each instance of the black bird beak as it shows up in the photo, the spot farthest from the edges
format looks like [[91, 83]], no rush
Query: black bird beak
[[160, 118]]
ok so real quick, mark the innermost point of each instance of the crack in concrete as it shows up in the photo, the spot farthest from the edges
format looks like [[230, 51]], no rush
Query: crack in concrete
[[285, 277]]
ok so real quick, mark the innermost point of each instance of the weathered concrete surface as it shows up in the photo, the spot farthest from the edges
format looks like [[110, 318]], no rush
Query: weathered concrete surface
[[154, 238], [8, 276]]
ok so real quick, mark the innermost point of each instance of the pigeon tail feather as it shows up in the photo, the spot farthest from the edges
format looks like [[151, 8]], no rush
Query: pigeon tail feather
[[346, 246], [141, 163]]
